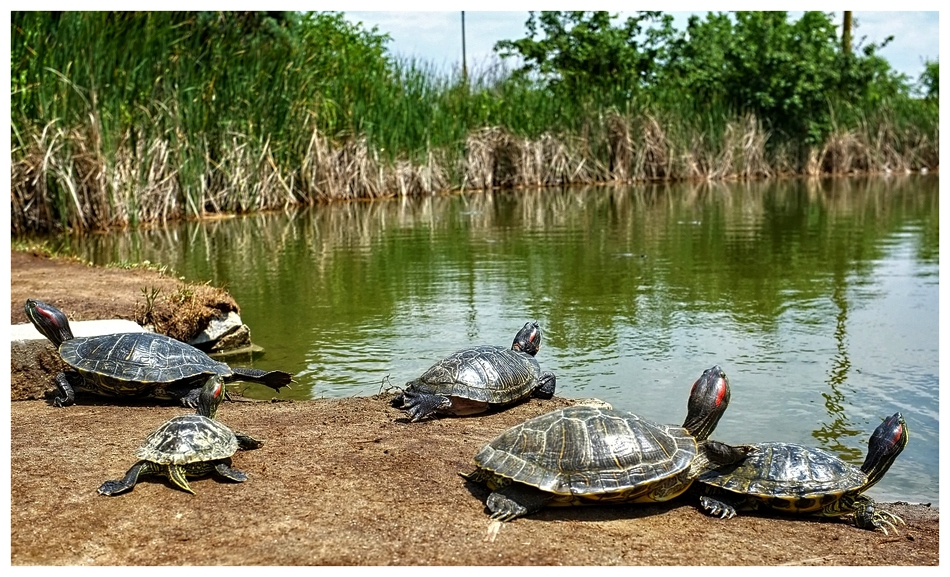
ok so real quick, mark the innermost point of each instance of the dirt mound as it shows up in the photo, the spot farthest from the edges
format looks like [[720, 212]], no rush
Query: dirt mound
[[145, 295]]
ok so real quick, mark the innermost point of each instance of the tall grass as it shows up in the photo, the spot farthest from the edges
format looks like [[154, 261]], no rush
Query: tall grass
[[124, 118]]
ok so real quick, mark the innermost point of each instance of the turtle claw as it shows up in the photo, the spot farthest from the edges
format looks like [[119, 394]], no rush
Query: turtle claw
[[717, 508], [504, 516], [866, 516], [884, 519]]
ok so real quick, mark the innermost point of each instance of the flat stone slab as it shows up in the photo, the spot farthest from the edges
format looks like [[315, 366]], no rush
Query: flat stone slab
[[27, 332]]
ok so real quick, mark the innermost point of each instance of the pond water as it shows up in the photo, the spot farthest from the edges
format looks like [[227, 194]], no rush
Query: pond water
[[819, 298]]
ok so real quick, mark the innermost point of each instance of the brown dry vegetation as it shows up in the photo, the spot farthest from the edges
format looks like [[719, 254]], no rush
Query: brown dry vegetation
[[143, 182]]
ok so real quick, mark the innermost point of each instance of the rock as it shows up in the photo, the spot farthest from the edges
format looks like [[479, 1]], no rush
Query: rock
[[240, 338], [224, 332]]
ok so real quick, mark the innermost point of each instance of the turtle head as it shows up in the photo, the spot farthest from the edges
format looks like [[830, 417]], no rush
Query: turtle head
[[49, 320], [212, 393], [707, 402], [887, 442], [528, 339]]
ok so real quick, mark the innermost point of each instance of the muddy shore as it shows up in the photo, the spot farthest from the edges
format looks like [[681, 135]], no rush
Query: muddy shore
[[342, 482]]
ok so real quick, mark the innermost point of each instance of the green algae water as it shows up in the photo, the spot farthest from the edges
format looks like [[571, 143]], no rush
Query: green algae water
[[819, 298]]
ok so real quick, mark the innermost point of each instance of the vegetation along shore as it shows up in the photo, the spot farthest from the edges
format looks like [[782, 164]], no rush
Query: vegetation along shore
[[132, 117]]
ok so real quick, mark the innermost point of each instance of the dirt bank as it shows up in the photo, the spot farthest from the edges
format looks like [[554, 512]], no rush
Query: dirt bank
[[344, 482]]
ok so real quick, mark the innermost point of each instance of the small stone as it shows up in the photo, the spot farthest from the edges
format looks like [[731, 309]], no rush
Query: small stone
[[239, 338], [220, 326]]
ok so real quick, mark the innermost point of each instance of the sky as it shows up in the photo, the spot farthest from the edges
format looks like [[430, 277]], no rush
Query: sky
[[436, 38]]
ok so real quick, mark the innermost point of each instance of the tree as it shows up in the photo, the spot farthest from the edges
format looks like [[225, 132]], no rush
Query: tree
[[583, 55], [786, 72], [930, 80], [846, 32]]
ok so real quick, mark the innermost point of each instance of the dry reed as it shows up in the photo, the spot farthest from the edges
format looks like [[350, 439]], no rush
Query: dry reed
[[62, 178]]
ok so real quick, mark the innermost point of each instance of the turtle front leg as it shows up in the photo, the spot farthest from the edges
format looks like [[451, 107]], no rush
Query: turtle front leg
[[547, 384], [516, 500], [421, 405], [122, 485], [866, 515], [247, 442], [66, 388], [189, 397]]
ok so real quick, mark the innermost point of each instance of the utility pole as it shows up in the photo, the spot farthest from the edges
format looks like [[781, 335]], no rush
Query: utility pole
[[464, 64], [846, 33]]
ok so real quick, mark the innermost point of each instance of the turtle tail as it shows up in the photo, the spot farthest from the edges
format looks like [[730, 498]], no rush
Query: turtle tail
[[273, 379]]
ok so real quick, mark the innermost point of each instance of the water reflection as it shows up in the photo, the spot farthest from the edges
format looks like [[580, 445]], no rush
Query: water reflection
[[818, 297], [831, 434]]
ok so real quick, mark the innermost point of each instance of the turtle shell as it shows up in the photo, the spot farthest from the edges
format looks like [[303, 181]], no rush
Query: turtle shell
[[788, 476], [594, 453], [487, 374], [188, 439], [135, 363]]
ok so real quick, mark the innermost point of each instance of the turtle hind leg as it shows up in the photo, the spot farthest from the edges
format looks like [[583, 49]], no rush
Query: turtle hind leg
[[124, 484], [516, 500], [273, 379], [546, 387], [224, 469], [66, 388], [421, 405]]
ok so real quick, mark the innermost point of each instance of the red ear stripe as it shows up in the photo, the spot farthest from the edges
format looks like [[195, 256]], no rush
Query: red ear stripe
[[722, 392], [898, 432], [46, 313]]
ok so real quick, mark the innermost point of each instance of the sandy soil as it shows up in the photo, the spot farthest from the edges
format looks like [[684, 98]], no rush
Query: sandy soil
[[344, 482]]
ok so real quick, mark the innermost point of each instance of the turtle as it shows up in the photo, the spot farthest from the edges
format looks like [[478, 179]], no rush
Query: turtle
[[188, 445], [586, 454], [474, 379], [792, 478], [140, 365]]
